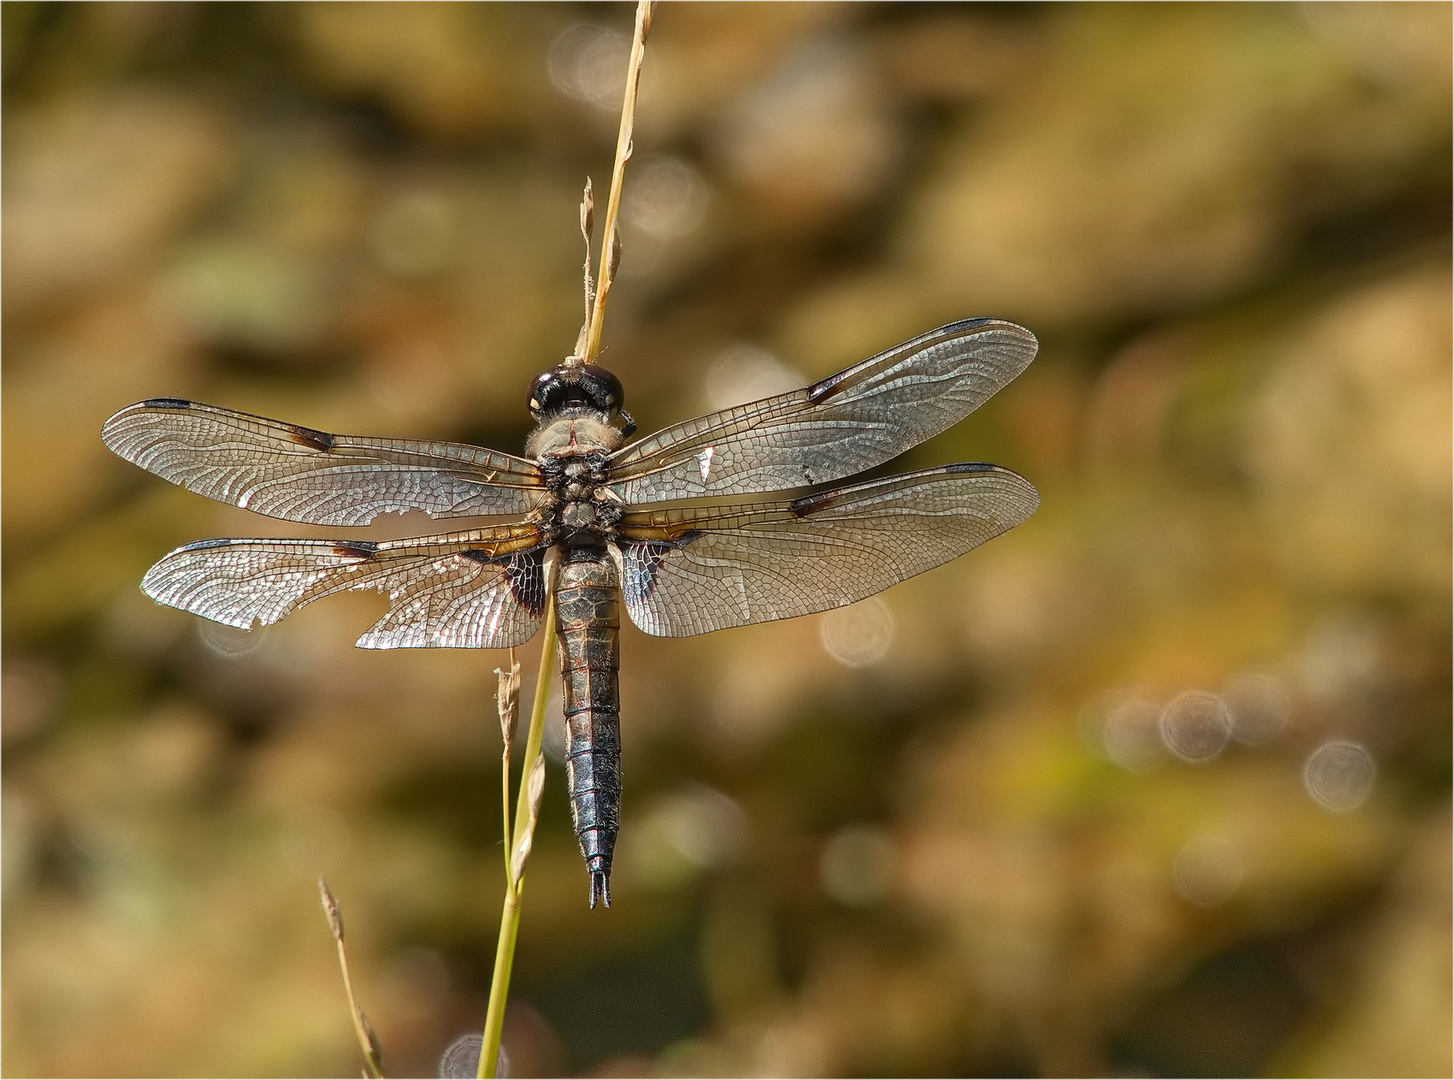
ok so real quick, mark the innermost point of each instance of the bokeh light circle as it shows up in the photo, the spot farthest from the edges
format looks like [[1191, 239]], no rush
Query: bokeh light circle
[[1258, 706], [588, 63], [461, 1058], [229, 642], [1195, 726], [743, 373], [858, 635], [1339, 775], [666, 198], [1130, 736], [1208, 870]]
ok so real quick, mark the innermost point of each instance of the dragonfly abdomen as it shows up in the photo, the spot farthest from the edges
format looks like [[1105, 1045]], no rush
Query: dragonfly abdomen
[[589, 624]]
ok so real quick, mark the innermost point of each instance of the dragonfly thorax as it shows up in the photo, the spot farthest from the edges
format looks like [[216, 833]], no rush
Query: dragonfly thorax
[[572, 436], [578, 507]]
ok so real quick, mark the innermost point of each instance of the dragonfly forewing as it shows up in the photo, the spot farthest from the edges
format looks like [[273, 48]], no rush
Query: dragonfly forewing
[[848, 422], [300, 474]]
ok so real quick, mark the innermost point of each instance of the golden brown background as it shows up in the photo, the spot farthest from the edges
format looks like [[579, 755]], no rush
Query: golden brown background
[[970, 828]]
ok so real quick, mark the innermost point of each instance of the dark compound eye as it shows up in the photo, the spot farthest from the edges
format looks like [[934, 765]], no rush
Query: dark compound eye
[[547, 392], [601, 389], [584, 385]]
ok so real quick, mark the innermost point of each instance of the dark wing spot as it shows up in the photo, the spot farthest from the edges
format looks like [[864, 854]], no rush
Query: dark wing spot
[[318, 440], [811, 504], [166, 403], [355, 549], [969, 467], [820, 390], [203, 545], [638, 587], [524, 573]]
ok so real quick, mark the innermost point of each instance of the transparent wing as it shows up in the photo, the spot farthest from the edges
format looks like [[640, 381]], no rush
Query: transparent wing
[[852, 421], [299, 474], [690, 570], [483, 589]]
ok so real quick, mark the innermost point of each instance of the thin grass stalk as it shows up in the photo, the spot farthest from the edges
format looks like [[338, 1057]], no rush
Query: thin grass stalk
[[507, 700], [527, 808], [505, 804], [368, 1042], [519, 847], [610, 233]]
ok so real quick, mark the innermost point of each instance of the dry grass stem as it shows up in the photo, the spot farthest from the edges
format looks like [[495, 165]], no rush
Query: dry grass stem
[[331, 909], [507, 700], [368, 1042], [588, 222], [611, 242], [534, 789]]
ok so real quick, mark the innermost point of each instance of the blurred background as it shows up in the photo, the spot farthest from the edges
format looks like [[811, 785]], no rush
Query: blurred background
[[1156, 784]]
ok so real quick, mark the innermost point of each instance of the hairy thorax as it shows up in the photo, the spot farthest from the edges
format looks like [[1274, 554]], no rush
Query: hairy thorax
[[573, 453], [572, 436]]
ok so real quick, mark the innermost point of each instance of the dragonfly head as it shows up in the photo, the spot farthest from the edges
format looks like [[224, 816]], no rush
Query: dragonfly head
[[578, 389]]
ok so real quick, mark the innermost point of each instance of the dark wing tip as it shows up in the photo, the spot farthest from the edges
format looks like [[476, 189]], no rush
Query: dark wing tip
[[1028, 491], [984, 467], [162, 403], [203, 545], [825, 388], [966, 324], [109, 433], [1027, 340], [971, 467], [963, 326]]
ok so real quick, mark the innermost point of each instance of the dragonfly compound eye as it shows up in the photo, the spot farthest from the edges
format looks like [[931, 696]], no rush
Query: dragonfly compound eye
[[549, 392], [601, 389], [583, 386]]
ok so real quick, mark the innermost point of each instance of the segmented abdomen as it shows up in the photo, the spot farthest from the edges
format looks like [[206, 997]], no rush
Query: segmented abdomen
[[587, 618]]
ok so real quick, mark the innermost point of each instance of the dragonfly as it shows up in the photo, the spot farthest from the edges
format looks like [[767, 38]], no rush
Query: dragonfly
[[719, 521]]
